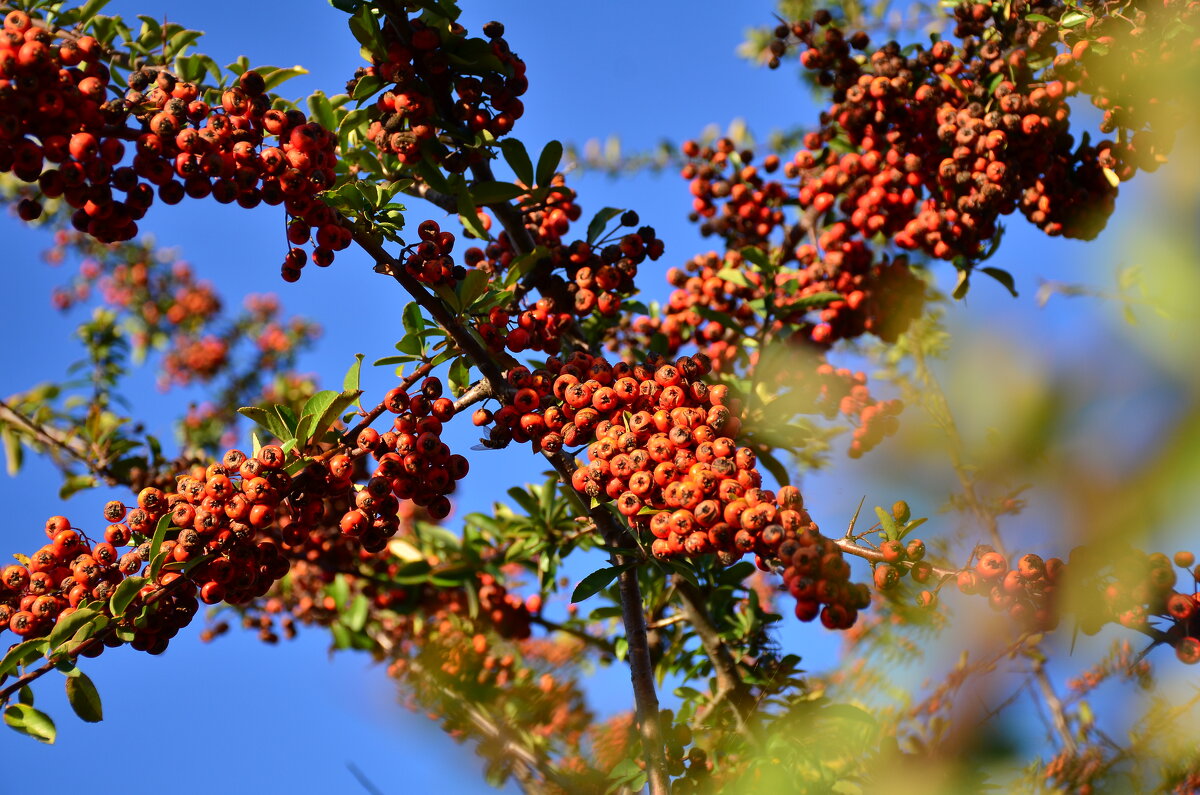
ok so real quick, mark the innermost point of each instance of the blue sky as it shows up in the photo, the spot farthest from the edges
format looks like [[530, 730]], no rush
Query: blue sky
[[239, 716]]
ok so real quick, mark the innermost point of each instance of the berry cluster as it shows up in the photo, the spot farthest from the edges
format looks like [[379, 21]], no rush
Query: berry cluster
[[840, 391], [731, 195], [1025, 591], [55, 109], [945, 140], [319, 552], [597, 277], [1139, 587], [700, 288], [660, 443], [413, 464], [430, 94], [429, 261], [223, 514], [816, 573], [1133, 82], [879, 297]]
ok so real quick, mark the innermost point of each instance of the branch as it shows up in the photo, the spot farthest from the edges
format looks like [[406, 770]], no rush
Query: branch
[[56, 439], [729, 680], [421, 190], [634, 619], [554, 626], [524, 757], [45, 668], [510, 217], [1057, 714], [479, 391], [848, 546], [641, 670], [466, 342]]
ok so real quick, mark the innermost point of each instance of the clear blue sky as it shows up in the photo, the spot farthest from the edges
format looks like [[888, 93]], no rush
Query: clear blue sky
[[237, 716]]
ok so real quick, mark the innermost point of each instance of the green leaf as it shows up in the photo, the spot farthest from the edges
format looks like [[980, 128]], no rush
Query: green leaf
[[757, 257], [366, 30], [65, 628], [390, 360], [28, 720], [471, 287], [315, 406], [275, 76], [684, 571], [413, 320], [413, 573], [268, 419], [518, 160], [353, 381], [320, 109], [334, 411], [1071, 19], [13, 453], [22, 653], [733, 275], [599, 222], [468, 216], [180, 42], [548, 163], [963, 284], [890, 530], [818, 300], [1004, 277], [495, 192], [84, 698], [595, 582], [126, 592], [339, 589], [736, 573], [89, 10], [304, 432], [1039, 18], [459, 375], [350, 131], [160, 535], [75, 483], [289, 419], [366, 87], [356, 617]]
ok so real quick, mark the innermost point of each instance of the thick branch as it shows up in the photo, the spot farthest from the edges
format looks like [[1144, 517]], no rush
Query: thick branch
[[509, 216], [479, 391], [641, 669], [466, 342], [729, 680]]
